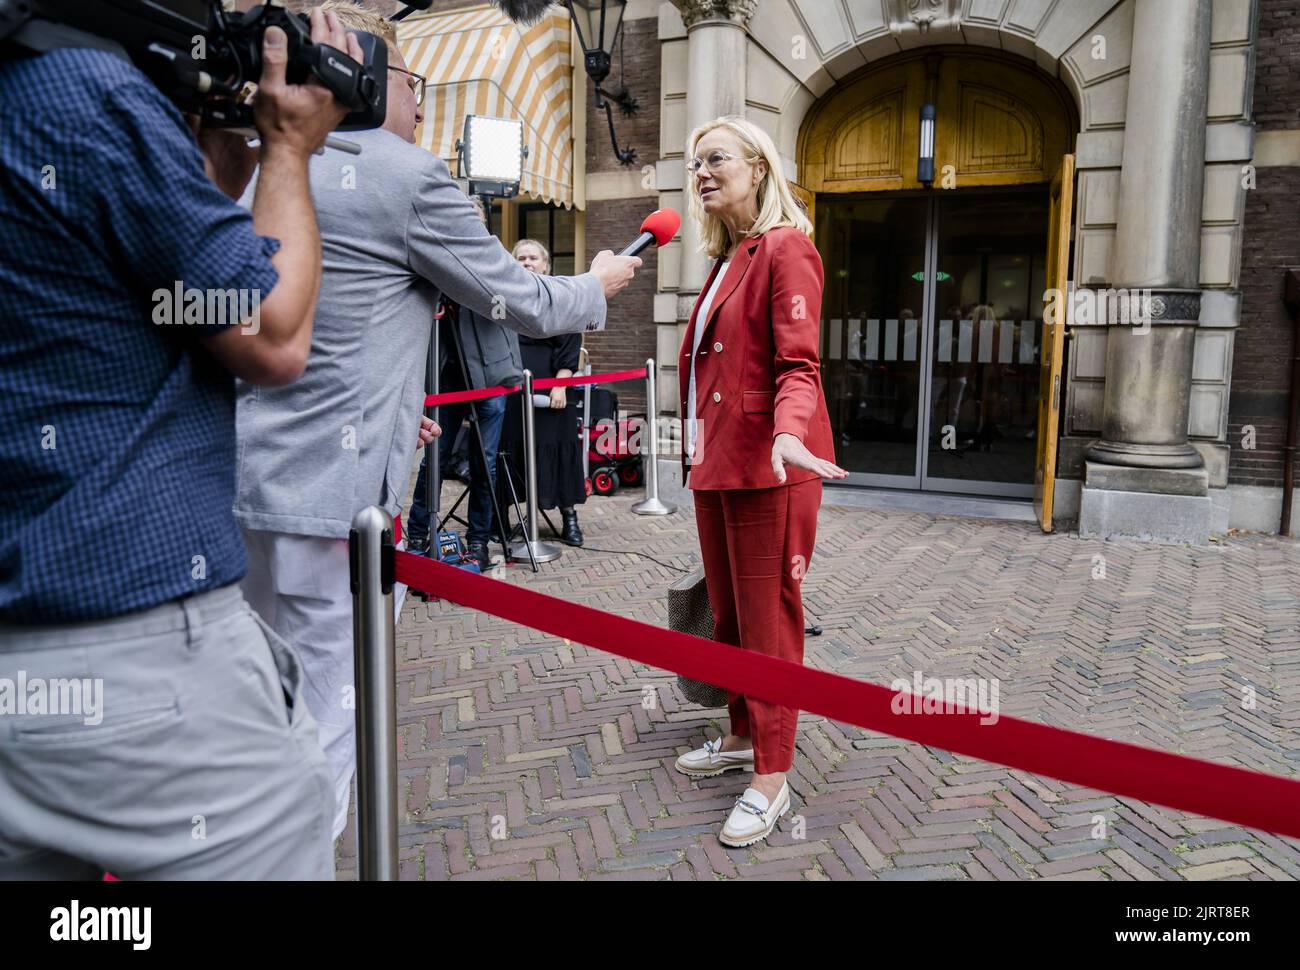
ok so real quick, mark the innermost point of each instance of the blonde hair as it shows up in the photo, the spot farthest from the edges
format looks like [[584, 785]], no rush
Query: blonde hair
[[546, 253], [355, 17], [777, 205]]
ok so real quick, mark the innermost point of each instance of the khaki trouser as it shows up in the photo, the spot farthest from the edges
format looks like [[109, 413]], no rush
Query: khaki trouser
[[203, 762], [299, 586]]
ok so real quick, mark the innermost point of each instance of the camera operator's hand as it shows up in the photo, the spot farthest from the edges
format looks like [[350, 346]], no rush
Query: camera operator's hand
[[299, 116], [614, 272]]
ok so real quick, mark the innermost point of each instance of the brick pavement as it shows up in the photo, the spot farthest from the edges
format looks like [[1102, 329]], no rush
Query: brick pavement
[[526, 757]]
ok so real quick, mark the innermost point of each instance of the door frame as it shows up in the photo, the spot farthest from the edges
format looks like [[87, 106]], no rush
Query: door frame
[[1060, 232], [924, 342], [933, 483], [922, 481]]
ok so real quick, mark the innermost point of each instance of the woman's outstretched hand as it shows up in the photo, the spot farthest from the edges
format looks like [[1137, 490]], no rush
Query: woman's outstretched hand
[[789, 450]]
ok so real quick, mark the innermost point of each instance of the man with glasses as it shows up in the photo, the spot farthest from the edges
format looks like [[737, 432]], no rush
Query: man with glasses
[[395, 230], [416, 82]]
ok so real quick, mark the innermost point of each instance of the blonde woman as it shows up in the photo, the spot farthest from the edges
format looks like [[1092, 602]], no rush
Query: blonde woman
[[757, 440]]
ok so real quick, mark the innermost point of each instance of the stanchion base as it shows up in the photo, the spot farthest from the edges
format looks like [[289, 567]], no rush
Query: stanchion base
[[542, 551], [652, 506]]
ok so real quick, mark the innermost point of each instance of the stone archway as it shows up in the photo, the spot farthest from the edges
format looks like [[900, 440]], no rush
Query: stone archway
[[1001, 121], [1084, 44], [1146, 67], [772, 60]]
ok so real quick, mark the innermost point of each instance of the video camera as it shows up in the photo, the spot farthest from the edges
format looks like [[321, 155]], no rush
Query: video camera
[[200, 55]]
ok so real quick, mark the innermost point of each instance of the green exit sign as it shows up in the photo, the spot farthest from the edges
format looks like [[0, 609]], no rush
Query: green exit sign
[[941, 276]]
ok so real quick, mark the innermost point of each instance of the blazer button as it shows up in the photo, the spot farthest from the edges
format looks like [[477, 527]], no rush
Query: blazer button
[[717, 398], [718, 347]]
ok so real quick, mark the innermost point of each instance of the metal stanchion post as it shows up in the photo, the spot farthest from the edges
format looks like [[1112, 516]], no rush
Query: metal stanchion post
[[584, 368], [540, 551], [370, 555], [651, 505], [433, 450]]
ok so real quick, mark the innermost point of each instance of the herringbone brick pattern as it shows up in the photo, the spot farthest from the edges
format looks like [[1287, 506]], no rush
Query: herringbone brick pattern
[[526, 757]]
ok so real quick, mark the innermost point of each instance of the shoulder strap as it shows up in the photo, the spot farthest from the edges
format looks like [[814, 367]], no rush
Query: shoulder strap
[[42, 36]]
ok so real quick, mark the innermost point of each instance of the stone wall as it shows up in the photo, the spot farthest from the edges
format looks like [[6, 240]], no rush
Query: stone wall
[[1261, 369], [619, 197], [636, 63], [629, 334]]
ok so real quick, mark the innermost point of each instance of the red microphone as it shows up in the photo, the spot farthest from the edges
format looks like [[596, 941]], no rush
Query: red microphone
[[659, 228]]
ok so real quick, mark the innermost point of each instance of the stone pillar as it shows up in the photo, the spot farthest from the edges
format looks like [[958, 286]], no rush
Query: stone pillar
[[1143, 478], [715, 85]]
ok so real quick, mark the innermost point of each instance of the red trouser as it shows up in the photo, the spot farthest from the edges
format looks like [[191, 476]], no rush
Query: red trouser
[[756, 544]]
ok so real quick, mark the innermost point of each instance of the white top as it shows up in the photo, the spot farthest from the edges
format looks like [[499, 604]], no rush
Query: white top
[[701, 317]]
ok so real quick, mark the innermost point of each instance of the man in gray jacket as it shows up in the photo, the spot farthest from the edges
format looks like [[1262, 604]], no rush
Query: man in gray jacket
[[395, 230], [491, 359]]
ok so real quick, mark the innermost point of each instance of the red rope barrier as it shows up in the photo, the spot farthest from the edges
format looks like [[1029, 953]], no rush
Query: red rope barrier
[[622, 375], [456, 397], [1249, 798]]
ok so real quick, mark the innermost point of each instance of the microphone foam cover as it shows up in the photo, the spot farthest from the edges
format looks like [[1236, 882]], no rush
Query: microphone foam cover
[[523, 11], [663, 225]]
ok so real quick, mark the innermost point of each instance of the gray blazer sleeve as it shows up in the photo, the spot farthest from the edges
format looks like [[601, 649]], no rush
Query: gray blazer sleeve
[[449, 246]]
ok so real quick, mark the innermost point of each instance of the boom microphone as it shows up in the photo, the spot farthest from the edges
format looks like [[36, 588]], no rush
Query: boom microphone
[[520, 11], [659, 228], [523, 11]]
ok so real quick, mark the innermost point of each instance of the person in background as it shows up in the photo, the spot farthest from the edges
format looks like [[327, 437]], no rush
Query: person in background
[[491, 357], [560, 481], [395, 231]]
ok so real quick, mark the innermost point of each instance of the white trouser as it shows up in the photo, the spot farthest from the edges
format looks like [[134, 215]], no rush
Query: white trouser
[[299, 586]]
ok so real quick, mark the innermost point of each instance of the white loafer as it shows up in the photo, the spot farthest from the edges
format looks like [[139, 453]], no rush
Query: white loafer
[[753, 818], [711, 760]]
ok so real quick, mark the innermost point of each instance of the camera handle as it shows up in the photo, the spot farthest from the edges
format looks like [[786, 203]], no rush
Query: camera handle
[[338, 72]]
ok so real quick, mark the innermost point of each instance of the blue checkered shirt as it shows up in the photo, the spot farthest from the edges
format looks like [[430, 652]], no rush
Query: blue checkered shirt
[[117, 433]]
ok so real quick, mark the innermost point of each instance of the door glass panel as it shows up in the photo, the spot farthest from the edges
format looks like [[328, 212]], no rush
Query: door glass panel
[[872, 342], [983, 393]]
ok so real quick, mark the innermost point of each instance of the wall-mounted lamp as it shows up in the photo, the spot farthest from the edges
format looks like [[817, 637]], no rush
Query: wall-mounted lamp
[[925, 157], [599, 24]]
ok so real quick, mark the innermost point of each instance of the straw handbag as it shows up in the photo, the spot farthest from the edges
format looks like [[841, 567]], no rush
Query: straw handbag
[[689, 612]]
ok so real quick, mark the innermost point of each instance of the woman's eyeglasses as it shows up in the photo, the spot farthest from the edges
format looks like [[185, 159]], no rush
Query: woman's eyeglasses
[[415, 81], [713, 160]]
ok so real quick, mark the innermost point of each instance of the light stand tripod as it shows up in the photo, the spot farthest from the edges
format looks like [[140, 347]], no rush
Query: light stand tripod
[[433, 476]]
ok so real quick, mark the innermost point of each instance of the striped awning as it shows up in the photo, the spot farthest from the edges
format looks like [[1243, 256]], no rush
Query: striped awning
[[479, 62]]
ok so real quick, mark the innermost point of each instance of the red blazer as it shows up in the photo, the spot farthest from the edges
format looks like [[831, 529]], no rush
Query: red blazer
[[757, 373]]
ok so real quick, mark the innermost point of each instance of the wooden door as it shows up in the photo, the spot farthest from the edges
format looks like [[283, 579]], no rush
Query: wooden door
[[808, 199], [1056, 301]]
